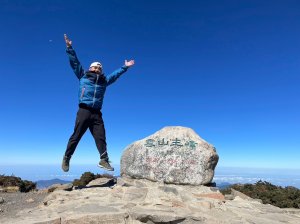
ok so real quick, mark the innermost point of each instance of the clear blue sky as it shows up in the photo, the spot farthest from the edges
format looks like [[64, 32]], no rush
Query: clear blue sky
[[227, 69]]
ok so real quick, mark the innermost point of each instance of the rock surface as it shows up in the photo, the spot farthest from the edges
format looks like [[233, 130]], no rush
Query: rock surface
[[17, 201], [175, 155], [66, 187], [143, 201], [101, 182]]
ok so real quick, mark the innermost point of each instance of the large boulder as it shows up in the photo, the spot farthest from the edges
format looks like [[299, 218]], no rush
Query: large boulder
[[175, 155]]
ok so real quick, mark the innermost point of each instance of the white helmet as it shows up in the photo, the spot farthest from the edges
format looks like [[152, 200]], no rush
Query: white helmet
[[96, 64]]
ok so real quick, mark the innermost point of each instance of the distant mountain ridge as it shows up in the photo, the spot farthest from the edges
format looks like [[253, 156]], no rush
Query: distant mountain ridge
[[223, 185], [41, 184]]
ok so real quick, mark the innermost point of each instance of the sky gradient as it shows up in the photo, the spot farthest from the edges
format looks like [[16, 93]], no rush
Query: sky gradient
[[227, 69]]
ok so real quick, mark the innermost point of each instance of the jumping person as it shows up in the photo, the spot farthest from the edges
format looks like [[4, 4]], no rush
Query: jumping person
[[92, 86]]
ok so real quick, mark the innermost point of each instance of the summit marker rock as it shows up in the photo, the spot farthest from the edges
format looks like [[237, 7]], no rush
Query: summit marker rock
[[175, 155]]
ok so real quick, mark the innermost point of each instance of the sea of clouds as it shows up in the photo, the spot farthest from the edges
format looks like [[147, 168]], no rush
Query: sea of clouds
[[223, 175]]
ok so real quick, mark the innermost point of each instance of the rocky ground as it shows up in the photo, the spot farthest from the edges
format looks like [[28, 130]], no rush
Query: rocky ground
[[12, 203], [135, 201], [160, 183]]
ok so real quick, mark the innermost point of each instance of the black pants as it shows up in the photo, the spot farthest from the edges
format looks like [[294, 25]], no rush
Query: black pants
[[92, 119]]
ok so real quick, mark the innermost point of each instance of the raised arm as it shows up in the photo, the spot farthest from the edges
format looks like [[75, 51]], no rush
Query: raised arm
[[117, 73], [74, 62]]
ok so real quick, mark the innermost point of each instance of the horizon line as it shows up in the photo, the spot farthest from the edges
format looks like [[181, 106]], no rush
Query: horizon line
[[118, 164]]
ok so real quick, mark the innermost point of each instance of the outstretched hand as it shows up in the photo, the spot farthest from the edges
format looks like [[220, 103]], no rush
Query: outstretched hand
[[129, 63], [68, 41]]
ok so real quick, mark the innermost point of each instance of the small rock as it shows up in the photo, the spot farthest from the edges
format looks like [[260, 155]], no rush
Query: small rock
[[123, 181], [229, 197], [258, 200], [10, 202], [176, 203], [214, 189], [2, 200], [1, 210], [129, 205], [66, 187], [206, 204], [195, 206], [30, 200], [101, 182], [167, 189]]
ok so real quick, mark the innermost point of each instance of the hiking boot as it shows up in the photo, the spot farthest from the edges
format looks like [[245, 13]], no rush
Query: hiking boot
[[65, 163], [105, 165]]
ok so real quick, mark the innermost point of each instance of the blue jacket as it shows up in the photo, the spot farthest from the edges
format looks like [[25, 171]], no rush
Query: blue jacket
[[92, 86]]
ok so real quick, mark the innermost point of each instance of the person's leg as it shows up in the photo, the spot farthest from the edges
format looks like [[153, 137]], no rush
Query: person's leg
[[81, 125], [98, 131]]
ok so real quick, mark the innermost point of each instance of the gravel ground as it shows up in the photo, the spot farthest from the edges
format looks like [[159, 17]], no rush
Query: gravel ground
[[12, 203]]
